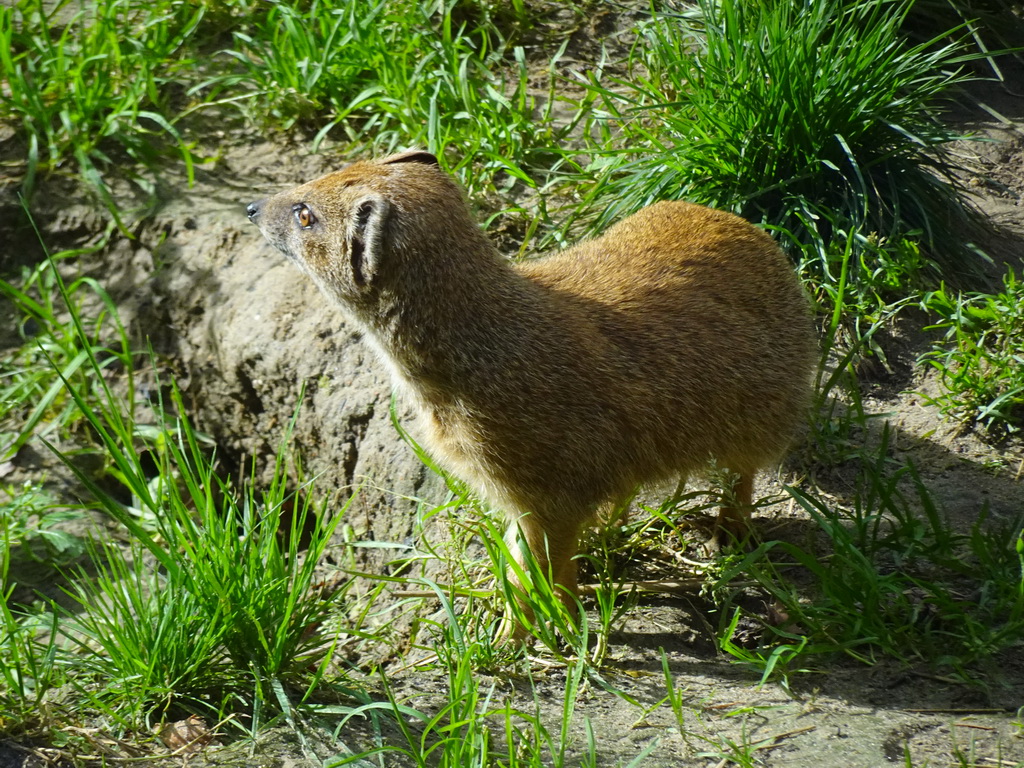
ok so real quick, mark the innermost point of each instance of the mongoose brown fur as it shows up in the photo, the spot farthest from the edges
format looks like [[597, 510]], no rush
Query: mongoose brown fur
[[679, 337]]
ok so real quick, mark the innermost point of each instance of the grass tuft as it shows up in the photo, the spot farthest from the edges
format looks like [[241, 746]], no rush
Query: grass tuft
[[981, 356], [392, 74], [896, 580], [236, 602], [91, 85], [808, 118], [216, 605], [37, 377]]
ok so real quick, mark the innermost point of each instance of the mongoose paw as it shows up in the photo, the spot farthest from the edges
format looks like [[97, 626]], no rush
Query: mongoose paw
[[511, 633], [727, 537]]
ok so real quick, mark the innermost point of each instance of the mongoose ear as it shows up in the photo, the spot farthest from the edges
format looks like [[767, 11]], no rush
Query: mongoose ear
[[411, 156], [366, 238]]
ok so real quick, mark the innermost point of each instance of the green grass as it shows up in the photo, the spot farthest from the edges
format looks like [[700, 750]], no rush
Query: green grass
[[109, 87], [835, 128], [29, 661], [478, 724], [31, 523], [35, 396], [236, 608], [145, 641], [387, 75], [242, 609], [812, 120], [981, 356], [90, 85], [895, 579], [212, 607], [991, 25]]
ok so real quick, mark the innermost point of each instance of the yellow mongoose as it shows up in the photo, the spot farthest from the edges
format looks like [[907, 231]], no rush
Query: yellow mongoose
[[679, 337]]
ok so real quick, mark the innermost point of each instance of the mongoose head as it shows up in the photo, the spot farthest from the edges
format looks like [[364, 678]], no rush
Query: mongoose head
[[354, 231]]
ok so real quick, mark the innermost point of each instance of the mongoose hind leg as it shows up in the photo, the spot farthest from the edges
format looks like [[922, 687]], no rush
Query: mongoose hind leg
[[733, 524]]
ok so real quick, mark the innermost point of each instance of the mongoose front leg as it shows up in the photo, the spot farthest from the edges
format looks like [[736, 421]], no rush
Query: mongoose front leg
[[733, 522], [553, 548]]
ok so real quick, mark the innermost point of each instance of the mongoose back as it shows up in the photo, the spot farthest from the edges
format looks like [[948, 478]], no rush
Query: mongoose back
[[679, 337]]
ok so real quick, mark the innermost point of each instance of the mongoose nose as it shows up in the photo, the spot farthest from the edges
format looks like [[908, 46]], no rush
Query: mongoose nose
[[252, 210]]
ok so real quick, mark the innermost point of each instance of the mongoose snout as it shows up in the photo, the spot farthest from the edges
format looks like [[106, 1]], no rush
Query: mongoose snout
[[678, 338]]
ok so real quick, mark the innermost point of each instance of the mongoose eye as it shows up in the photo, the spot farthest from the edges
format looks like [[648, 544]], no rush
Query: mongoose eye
[[303, 215]]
